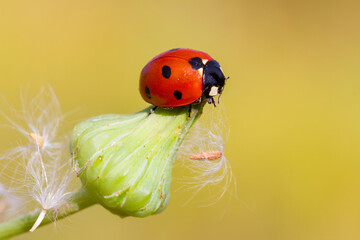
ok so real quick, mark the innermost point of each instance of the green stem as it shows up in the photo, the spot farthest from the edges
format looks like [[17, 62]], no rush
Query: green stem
[[78, 201]]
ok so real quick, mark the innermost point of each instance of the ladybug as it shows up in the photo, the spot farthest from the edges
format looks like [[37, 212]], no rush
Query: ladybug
[[180, 77]]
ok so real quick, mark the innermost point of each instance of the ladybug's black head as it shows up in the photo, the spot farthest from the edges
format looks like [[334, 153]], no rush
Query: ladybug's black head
[[213, 80]]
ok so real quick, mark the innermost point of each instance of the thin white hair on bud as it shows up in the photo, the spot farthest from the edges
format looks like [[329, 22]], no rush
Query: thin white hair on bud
[[38, 168], [202, 157]]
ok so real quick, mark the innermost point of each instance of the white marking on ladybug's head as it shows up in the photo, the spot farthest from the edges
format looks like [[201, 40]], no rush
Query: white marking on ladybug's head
[[214, 91], [204, 61], [201, 71]]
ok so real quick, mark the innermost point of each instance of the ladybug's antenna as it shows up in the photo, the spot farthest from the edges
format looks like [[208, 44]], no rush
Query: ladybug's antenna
[[221, 91]]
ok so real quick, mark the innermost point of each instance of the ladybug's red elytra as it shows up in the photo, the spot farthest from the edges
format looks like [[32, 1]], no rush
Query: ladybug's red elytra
[[179, 77]]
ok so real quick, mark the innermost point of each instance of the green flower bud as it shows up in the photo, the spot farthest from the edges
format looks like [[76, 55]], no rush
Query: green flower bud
[[125, 161]]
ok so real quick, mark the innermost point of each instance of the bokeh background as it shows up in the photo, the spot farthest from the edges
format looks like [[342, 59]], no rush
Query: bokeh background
[[293, 103]]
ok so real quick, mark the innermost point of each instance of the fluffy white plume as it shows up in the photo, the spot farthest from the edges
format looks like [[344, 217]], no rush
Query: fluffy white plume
[[203, 159], [39, 168]]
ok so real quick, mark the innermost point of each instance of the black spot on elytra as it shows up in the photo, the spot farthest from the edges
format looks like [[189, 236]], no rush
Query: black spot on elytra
[[166, 71], [196, 63], [147, 92], [174, 49], [177, 95]]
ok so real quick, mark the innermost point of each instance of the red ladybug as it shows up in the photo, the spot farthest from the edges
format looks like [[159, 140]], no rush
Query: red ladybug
[[179, 77]]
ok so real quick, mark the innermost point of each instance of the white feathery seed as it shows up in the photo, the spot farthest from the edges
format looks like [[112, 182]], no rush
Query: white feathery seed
[[208, 136], [39, 168]]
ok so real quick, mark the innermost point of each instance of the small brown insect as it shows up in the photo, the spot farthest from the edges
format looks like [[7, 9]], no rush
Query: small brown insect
[[209, 155]]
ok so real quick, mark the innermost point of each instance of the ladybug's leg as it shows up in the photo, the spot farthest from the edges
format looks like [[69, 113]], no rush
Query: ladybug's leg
[[190, 110], [152, 110], [211, 101], [198, 100]]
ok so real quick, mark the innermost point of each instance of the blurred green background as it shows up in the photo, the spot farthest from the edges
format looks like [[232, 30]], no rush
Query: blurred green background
[[293, 102]]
